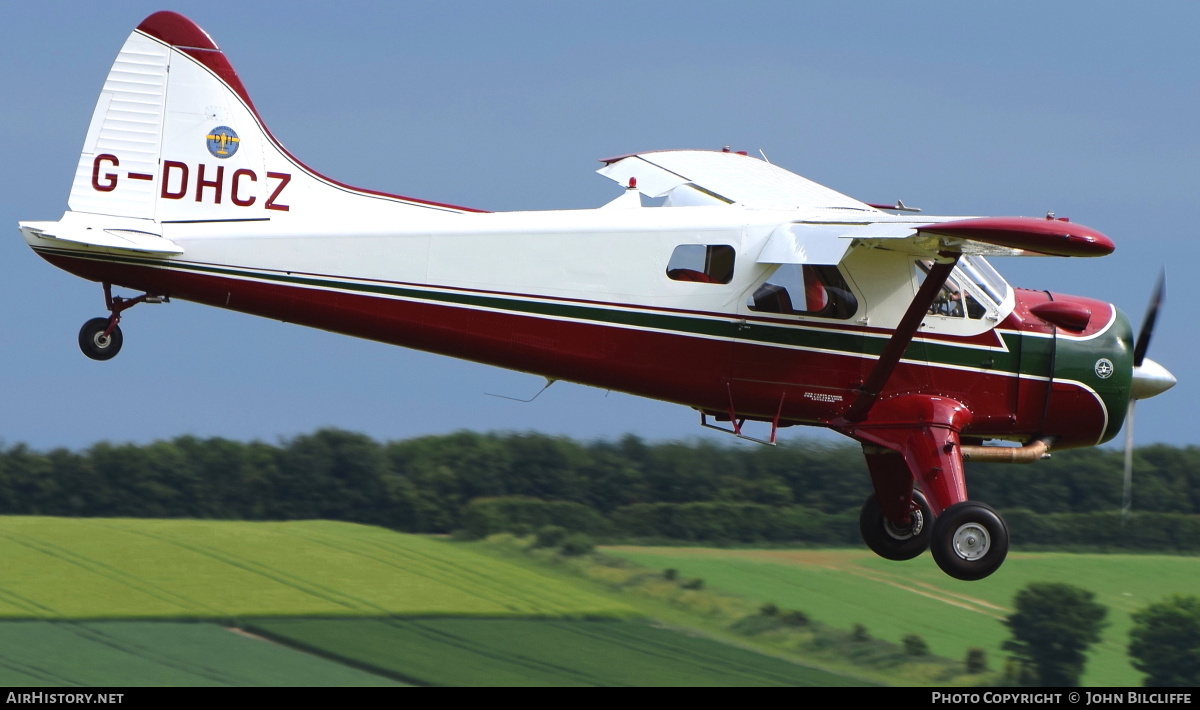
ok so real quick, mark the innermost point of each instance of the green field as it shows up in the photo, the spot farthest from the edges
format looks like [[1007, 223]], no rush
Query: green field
[[124, 602], [518, 652], [843, 588], [129, 654], [66, 568], [98, 602]]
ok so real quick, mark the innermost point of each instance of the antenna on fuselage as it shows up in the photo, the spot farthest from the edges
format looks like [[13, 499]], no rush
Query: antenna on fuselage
[[549, 382]]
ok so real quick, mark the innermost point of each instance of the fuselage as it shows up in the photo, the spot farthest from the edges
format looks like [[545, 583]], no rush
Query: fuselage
[[585, 296]]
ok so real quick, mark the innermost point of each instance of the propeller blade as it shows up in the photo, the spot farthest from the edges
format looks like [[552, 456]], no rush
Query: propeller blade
[[1143, 339]]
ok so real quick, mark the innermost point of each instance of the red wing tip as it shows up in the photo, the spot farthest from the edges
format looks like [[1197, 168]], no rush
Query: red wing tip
[[1047, 236], [176, 30]]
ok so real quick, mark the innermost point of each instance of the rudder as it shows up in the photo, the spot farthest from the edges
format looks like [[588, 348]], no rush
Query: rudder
[[175, 138]]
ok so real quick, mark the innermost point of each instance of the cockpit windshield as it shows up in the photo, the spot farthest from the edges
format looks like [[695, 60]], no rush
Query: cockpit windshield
[[981, 273], [972, 284]]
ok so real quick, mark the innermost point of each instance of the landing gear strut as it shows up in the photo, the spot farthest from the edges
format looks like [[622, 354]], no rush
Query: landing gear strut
[[100, 338]]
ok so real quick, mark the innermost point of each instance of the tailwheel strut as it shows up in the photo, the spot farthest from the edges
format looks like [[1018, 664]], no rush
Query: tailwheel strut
[[100, 338]]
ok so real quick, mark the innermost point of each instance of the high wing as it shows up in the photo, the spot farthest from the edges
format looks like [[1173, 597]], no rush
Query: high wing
[[703, 177], [834, 222]]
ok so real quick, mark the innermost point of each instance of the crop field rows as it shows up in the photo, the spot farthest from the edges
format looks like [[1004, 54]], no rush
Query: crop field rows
[[95, 568], [521, 652], [125, 603], [381, 652], [157, 653]]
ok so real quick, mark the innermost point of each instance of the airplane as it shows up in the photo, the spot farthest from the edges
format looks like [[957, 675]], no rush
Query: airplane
[[715, 280]]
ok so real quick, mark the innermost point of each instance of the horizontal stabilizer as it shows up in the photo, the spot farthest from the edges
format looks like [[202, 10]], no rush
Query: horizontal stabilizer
[[111, 238]]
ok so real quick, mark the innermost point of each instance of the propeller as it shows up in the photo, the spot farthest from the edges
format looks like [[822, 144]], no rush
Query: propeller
[[1149, 379], [1143, 340]]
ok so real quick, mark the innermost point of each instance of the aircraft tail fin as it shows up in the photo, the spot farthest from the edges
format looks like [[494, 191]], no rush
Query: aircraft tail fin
[[176, 138]]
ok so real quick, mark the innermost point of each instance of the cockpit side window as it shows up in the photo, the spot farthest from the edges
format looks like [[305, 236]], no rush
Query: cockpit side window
[[953, 301], [702, 263], [805, 289]]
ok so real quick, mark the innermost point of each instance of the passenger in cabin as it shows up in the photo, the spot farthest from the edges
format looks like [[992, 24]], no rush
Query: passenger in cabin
[[821, 290]]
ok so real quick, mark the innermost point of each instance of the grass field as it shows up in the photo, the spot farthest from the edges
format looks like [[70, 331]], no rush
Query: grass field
[[517, 652], [96, 601], [63, 568], [124, 602], [131, 654], [843, 588]]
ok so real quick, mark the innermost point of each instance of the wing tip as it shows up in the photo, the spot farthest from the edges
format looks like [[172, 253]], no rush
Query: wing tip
[[1045, 236]]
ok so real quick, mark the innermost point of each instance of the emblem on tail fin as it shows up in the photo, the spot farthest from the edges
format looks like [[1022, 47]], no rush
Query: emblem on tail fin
[[222, 141]]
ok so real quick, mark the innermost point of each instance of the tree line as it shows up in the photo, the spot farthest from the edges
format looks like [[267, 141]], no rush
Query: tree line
[[488, 482]]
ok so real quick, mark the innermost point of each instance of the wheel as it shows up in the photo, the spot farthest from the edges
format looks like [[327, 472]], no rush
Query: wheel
[[970, 540], [95, 344], [891, 541]]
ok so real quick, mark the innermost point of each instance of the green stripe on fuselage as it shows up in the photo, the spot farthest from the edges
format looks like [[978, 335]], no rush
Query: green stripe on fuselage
[[1022, 355]]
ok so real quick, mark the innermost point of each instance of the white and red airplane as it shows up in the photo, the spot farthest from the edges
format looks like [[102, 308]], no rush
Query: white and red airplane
[[749, 294]]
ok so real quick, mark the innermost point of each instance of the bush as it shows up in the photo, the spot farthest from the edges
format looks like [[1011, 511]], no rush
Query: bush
[[724, 522], [914, 645], [768, 609], [795, 618], [521, 515], [576, 544], [976, 660], [860, 633], [550, 536], [696, 583]]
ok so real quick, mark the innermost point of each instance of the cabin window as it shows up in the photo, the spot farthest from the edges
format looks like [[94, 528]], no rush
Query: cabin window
[[805, 289], [710, 264], [953, 301], [984, 276]]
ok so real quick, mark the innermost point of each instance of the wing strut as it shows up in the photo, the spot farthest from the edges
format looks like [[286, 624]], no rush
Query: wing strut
[[868, 393]]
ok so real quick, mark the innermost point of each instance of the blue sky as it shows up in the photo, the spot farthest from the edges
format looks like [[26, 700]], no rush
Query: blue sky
[[1086, 109]]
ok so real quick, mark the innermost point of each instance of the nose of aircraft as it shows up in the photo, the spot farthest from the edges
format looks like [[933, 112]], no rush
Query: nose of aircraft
[[1150, 379]]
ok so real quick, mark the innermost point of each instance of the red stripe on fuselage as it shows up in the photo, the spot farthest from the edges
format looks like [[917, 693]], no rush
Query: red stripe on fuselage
[[706, 373]]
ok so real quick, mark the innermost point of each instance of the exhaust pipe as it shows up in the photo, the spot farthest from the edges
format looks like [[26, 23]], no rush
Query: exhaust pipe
[[1033, 451]]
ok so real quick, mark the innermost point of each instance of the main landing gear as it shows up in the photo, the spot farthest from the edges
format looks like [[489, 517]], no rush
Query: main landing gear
[[969, 540], [893, 541], [100, 338]]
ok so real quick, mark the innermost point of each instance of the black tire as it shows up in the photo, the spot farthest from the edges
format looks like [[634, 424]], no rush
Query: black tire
[[93, 343], [893, 542], [970, 540]]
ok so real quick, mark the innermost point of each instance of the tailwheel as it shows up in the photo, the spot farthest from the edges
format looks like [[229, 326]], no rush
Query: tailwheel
[[98, 340], [970, 540], [896, 542]]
